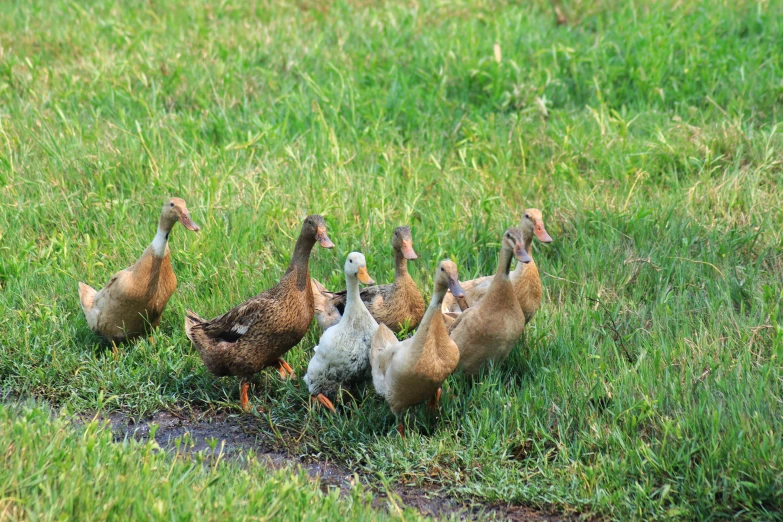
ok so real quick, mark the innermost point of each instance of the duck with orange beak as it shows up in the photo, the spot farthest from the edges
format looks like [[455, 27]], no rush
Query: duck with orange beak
[[395, 305], [488, 330], [525, 277], [133, 300], [412, 371], [257, 333], [342, 357]]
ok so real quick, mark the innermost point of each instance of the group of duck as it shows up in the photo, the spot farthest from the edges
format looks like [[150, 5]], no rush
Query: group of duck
[[466, 325]]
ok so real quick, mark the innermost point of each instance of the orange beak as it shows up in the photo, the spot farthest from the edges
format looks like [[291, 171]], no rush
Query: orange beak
[[323, 239], [364, 277], [541, 233], [188, 223], [407, 250]]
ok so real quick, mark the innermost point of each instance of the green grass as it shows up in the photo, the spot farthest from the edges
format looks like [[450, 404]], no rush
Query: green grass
[[52, 472], [647, 132]]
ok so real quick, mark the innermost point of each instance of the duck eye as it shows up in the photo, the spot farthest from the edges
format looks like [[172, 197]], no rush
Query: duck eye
[[442, 269], [350, 260], [172, 204]]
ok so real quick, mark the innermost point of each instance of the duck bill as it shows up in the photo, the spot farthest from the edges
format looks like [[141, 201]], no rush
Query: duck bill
[[323, 239], [459, 294], [455, 289], [188, 223], [407, 250], [542, 234], [521, 254], [364, 277]]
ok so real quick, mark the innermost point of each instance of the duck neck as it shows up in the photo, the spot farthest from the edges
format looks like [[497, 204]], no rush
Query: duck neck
[[432, 310], [528, 237], [504, 263], [301, 257], [352, 294], [300, 261], [400, 265], [430, 323], [162, 237]]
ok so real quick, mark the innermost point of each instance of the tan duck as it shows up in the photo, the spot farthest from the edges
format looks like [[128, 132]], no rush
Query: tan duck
[[488, 330], [525, 278], [394, 305], [412, 371], [257, 333], [133, 300]]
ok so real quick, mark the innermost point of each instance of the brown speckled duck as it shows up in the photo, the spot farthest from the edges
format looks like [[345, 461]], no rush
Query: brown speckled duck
[[257, 333], [488, 330], [412, 371], [134, 298], [394, 305], [525, 277]]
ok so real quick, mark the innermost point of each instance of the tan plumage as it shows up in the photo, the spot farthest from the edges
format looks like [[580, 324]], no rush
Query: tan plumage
[[394, 305], [257, 333], [488, 330], [133, 299], [525, 278], [412, 371]]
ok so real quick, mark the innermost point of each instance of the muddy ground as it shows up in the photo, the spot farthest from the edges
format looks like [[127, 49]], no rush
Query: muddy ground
[[234, 435]]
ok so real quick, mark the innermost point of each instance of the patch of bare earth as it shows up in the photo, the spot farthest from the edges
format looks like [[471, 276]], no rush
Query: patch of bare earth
[[231, 436]]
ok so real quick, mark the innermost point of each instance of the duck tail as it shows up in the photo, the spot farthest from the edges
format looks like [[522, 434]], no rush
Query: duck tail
[[191, 321], [326, 313], [381, 341], [87, 298]]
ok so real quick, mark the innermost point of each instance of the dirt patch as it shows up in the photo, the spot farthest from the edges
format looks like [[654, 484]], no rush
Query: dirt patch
[[218, 433]]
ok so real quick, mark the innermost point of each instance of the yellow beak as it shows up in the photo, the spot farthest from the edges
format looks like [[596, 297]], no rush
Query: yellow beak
[[364, 277]]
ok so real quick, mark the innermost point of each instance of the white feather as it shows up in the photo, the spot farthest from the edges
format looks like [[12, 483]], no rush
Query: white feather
[[160, 242]]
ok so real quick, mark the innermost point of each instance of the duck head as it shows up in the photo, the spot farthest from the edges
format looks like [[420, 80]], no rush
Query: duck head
[[514, 242], [175, 210], [314, 226], [402, 241], [356, 266], [533, 223], [446, 277]]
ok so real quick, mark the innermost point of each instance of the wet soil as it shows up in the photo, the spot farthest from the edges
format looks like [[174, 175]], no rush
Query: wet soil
[[232, 436]]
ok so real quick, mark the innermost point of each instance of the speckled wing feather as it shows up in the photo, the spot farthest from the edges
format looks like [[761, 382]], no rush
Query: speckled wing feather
[[235, 323], [374, 297]]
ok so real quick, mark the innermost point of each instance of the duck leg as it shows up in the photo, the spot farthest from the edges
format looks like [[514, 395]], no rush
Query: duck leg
[[243, 401], [323, 399], [401, 430], [285, 370], [433, 404]]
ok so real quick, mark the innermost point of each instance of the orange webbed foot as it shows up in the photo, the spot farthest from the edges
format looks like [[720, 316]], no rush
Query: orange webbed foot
[[286, 372], [324, 400], [243, 401]]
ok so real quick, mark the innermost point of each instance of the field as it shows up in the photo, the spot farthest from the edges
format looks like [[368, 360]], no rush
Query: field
[[649, 385]]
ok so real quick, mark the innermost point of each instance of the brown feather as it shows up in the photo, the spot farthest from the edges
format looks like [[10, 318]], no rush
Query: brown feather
[[255, 334]]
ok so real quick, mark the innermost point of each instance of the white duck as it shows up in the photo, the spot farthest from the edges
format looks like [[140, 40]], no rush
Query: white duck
[[343, 353]]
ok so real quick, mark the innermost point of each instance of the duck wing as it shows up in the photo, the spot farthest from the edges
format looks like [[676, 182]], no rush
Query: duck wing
[[235, 323], [329, 306], [384, 346], [375, 297]]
